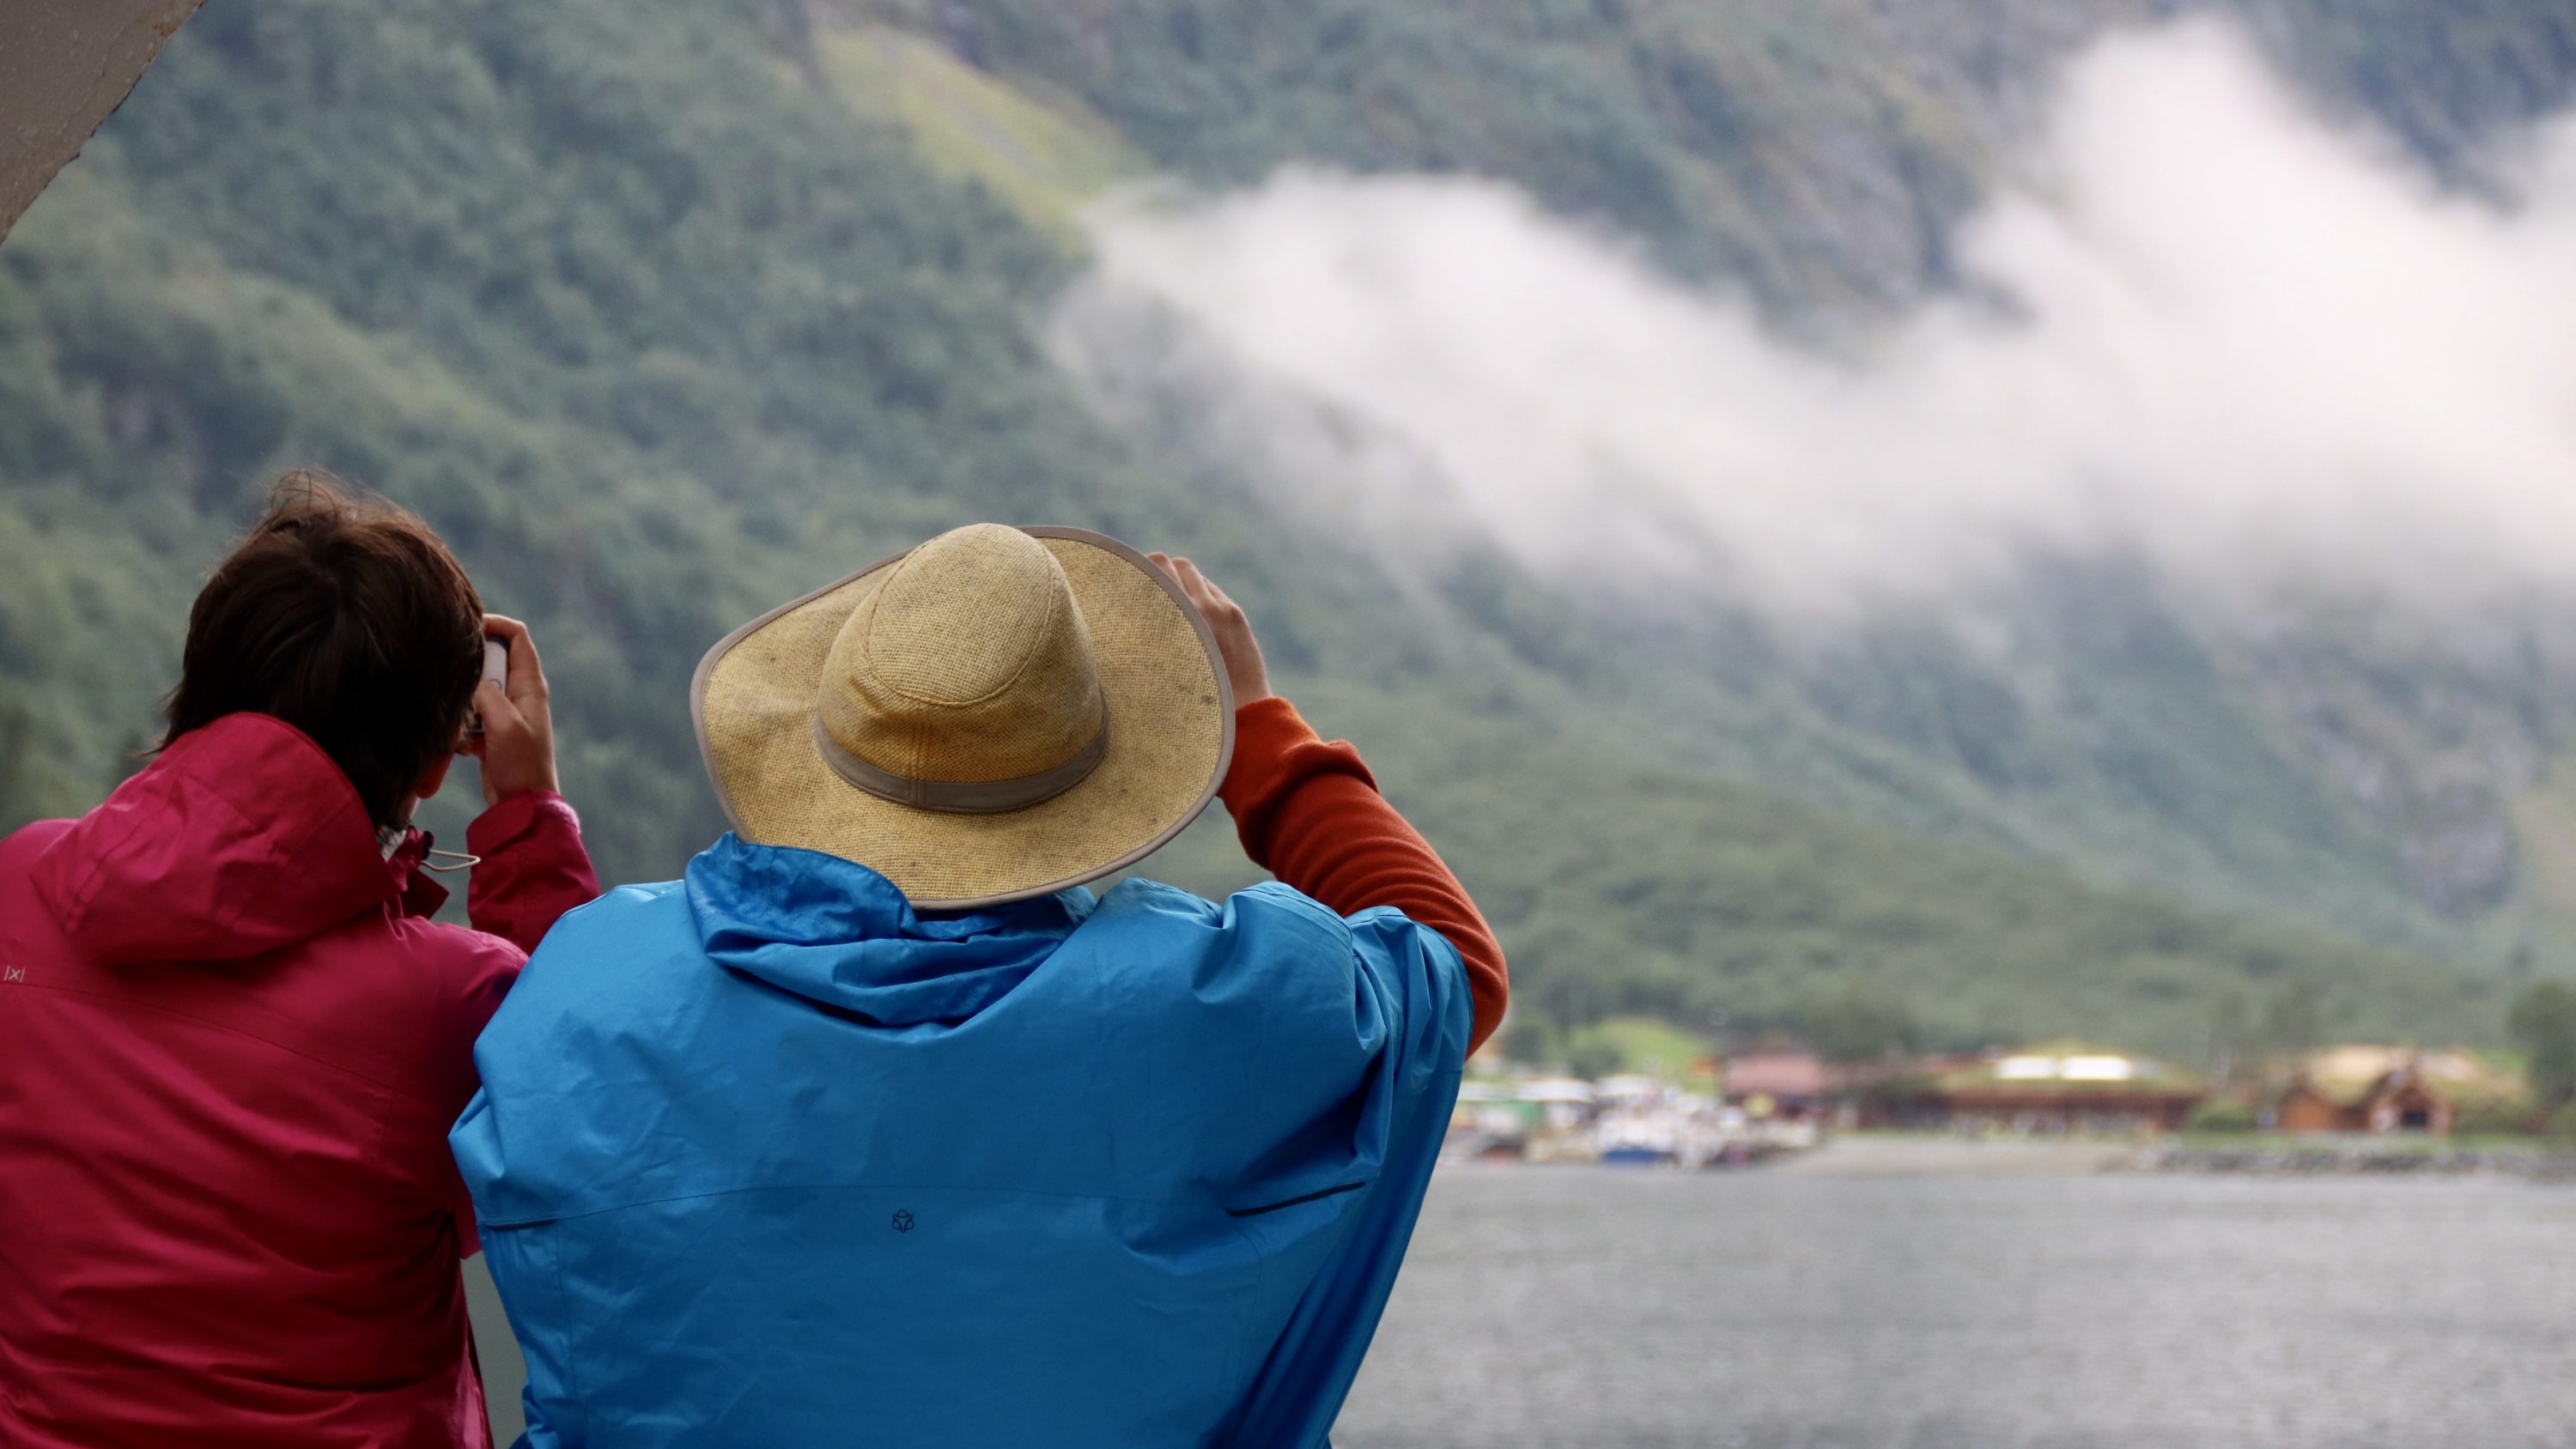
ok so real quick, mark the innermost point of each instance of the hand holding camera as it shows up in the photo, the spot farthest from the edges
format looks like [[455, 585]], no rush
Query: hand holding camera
[[516, 744]]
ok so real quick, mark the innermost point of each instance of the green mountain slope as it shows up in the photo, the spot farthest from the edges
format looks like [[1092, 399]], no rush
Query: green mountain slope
[[1819, 157], [1816, 153], [664, 311]]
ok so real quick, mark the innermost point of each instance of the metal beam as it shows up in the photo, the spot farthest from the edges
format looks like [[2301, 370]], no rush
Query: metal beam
[[64, 64]]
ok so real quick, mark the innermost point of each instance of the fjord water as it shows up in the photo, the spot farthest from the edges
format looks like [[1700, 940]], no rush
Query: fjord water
[[1885, 1297], [1570, 1308]]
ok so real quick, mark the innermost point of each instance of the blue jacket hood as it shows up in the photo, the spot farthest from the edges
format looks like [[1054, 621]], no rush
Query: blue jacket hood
[[841, 935]]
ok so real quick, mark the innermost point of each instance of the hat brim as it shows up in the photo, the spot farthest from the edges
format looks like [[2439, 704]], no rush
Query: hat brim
[[1170, 737]]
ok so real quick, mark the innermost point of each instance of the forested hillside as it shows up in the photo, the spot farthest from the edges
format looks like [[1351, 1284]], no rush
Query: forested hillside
[[1819, 158], [1817, 153], [666, 310]]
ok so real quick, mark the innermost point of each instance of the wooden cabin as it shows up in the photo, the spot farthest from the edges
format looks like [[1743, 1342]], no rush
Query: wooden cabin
[[2375, 1088], [2399, 1099]]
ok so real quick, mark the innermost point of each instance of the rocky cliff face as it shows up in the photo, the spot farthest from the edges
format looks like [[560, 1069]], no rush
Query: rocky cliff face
[[2449, 745]]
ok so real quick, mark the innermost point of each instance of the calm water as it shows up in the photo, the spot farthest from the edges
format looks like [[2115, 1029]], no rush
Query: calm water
[[1804, 1310], [1835, 1306]]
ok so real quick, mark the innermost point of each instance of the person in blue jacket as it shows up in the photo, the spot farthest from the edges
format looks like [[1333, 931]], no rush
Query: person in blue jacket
[[880, 1128]]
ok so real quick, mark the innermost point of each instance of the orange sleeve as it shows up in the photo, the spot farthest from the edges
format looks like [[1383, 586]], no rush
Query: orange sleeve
[[1309, 813]]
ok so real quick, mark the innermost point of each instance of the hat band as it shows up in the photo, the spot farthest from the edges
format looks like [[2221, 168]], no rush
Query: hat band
[[963, 797]]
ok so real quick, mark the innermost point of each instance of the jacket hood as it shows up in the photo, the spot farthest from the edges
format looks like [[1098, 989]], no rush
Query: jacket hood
[[241, 837], [841, 935]]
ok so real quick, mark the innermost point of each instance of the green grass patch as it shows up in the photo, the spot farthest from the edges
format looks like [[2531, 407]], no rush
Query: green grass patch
[[1045, 159], [1638, 1044]]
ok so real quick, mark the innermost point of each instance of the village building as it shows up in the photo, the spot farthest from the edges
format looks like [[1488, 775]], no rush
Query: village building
[[2048, 1089], [2396, 1102], [1793, 1084], [1789, 1083], [2384, 1089]]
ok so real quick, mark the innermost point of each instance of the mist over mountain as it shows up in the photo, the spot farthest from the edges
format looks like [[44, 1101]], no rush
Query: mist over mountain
[[2264, 354], [666, 310], [2262, 379]]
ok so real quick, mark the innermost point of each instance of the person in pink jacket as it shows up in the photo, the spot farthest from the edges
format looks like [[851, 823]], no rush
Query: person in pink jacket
[[231, 1039]]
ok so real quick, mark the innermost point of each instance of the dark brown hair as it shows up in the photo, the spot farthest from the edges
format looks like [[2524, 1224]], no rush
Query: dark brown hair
[[347, 618]]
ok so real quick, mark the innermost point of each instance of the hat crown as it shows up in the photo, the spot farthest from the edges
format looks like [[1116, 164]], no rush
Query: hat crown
[[971, 665]]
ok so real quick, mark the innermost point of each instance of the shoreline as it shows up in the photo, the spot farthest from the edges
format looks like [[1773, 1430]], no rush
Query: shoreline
[[1908, 1155], [2337, 1158]]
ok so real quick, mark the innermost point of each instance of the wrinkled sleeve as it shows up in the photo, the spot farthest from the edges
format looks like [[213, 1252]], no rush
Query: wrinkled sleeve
[[1415, 986], [1309, 812], [533, 867]]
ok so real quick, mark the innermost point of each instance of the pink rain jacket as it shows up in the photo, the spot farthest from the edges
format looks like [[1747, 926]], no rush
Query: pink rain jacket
[[231, 1045]]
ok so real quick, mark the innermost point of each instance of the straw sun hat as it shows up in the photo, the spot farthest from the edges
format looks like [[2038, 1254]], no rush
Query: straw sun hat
[[996, 714]]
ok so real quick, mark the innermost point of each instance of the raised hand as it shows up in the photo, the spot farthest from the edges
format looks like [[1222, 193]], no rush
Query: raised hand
[[1234, 642]]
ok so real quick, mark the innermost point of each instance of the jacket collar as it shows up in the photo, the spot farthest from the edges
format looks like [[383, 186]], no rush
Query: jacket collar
[[842, 936]]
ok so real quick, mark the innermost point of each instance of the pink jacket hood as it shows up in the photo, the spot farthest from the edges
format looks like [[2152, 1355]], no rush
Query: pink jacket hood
[[241, 837]]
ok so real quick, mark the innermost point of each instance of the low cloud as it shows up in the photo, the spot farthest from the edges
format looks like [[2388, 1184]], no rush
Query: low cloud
[[2261, 351]]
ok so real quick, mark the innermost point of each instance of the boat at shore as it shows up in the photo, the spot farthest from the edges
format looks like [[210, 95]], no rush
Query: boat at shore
[[1629, 1120]]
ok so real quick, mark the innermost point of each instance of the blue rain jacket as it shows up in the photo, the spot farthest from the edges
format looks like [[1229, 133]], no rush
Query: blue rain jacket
[[764, 1158]]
